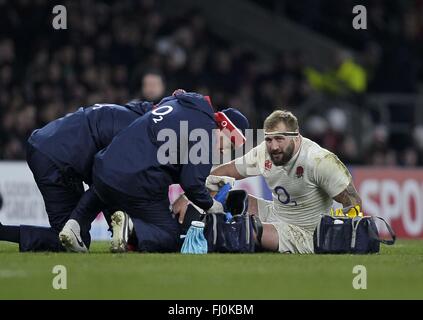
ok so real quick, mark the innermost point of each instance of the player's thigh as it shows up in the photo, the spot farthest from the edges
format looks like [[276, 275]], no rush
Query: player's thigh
[[293, 238], [264, 209]]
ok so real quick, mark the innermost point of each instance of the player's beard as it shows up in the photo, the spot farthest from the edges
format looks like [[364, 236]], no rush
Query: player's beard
[[280, 158]]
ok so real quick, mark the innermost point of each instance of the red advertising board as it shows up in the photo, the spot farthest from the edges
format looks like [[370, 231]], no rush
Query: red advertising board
[[394, 194]]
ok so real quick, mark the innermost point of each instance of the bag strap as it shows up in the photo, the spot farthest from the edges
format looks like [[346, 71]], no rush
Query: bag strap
[[247, 228], [214, 228], [391, 232], [318, 231], [354, 224], [258, 228]]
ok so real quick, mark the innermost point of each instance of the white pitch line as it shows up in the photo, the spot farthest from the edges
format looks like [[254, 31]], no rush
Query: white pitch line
[[12, 273]]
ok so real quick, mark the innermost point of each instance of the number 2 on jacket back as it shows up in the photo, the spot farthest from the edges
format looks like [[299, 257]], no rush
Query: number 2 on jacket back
[[160, 112]]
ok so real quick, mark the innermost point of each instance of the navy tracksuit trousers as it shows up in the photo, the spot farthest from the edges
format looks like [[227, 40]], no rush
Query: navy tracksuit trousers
[[61, 193]]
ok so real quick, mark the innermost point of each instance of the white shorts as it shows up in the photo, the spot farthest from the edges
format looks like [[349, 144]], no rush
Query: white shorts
[[292, 238]]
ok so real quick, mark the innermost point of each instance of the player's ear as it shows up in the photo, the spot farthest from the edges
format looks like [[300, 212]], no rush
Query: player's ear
[[297, 138]]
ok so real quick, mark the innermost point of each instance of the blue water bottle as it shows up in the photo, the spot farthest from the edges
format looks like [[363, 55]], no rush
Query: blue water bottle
[[195, 242]]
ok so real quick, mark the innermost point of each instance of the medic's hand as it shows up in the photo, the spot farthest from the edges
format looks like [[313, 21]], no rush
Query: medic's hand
[[178, 91], [179, 207]]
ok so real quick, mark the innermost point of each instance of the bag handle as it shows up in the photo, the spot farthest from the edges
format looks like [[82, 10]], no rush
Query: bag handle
[[214, 228], [354, 224], [391, 232]]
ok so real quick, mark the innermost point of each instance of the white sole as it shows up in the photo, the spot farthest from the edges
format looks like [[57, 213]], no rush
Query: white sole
[[67, 242], [119, 241]]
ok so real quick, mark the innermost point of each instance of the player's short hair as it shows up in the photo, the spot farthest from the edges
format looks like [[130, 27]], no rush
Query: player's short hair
[[277, 116]]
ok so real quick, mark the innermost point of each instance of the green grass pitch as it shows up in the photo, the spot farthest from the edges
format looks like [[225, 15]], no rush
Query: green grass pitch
[[395, 273]]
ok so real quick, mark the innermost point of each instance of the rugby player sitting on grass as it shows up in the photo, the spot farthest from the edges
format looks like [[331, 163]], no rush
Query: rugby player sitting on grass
[[304, 178]]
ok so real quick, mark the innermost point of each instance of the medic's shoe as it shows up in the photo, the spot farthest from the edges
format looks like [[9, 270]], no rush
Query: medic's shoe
[[122, 227], [70, 237]]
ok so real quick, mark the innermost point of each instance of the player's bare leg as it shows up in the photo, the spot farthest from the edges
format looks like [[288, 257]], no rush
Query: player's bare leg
[[270, 238]]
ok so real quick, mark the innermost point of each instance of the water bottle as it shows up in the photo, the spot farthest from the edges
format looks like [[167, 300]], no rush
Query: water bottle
[[195, 242]]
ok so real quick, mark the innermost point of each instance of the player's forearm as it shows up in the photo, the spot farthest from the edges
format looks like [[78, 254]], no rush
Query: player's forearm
[[227, 169], [349, 197]]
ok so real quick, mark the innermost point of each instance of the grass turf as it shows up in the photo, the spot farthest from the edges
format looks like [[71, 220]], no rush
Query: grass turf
[[395, 273]]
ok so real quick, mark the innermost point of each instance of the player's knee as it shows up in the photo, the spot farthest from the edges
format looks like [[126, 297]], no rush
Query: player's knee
[[270, 238]]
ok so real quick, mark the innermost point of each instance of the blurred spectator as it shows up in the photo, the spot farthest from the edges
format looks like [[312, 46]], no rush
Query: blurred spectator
[[410, 158], [346, 77], [152, 87], [378, 152], [110, 48]]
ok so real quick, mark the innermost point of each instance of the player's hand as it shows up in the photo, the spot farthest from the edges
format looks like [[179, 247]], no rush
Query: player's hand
[[352, 212], [213, 183], [179, 207]]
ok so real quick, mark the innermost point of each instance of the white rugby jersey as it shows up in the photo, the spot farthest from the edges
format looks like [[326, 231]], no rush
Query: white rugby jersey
[[302, 189]]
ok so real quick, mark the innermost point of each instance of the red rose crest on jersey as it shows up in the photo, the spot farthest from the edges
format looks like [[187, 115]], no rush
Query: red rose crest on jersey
[[300, 171], [268, 165]]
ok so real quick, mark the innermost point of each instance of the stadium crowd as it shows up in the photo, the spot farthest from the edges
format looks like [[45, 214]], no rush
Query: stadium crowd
[[109, 48]]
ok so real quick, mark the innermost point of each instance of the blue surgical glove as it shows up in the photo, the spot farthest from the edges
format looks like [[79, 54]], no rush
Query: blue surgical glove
[[223, 193]]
